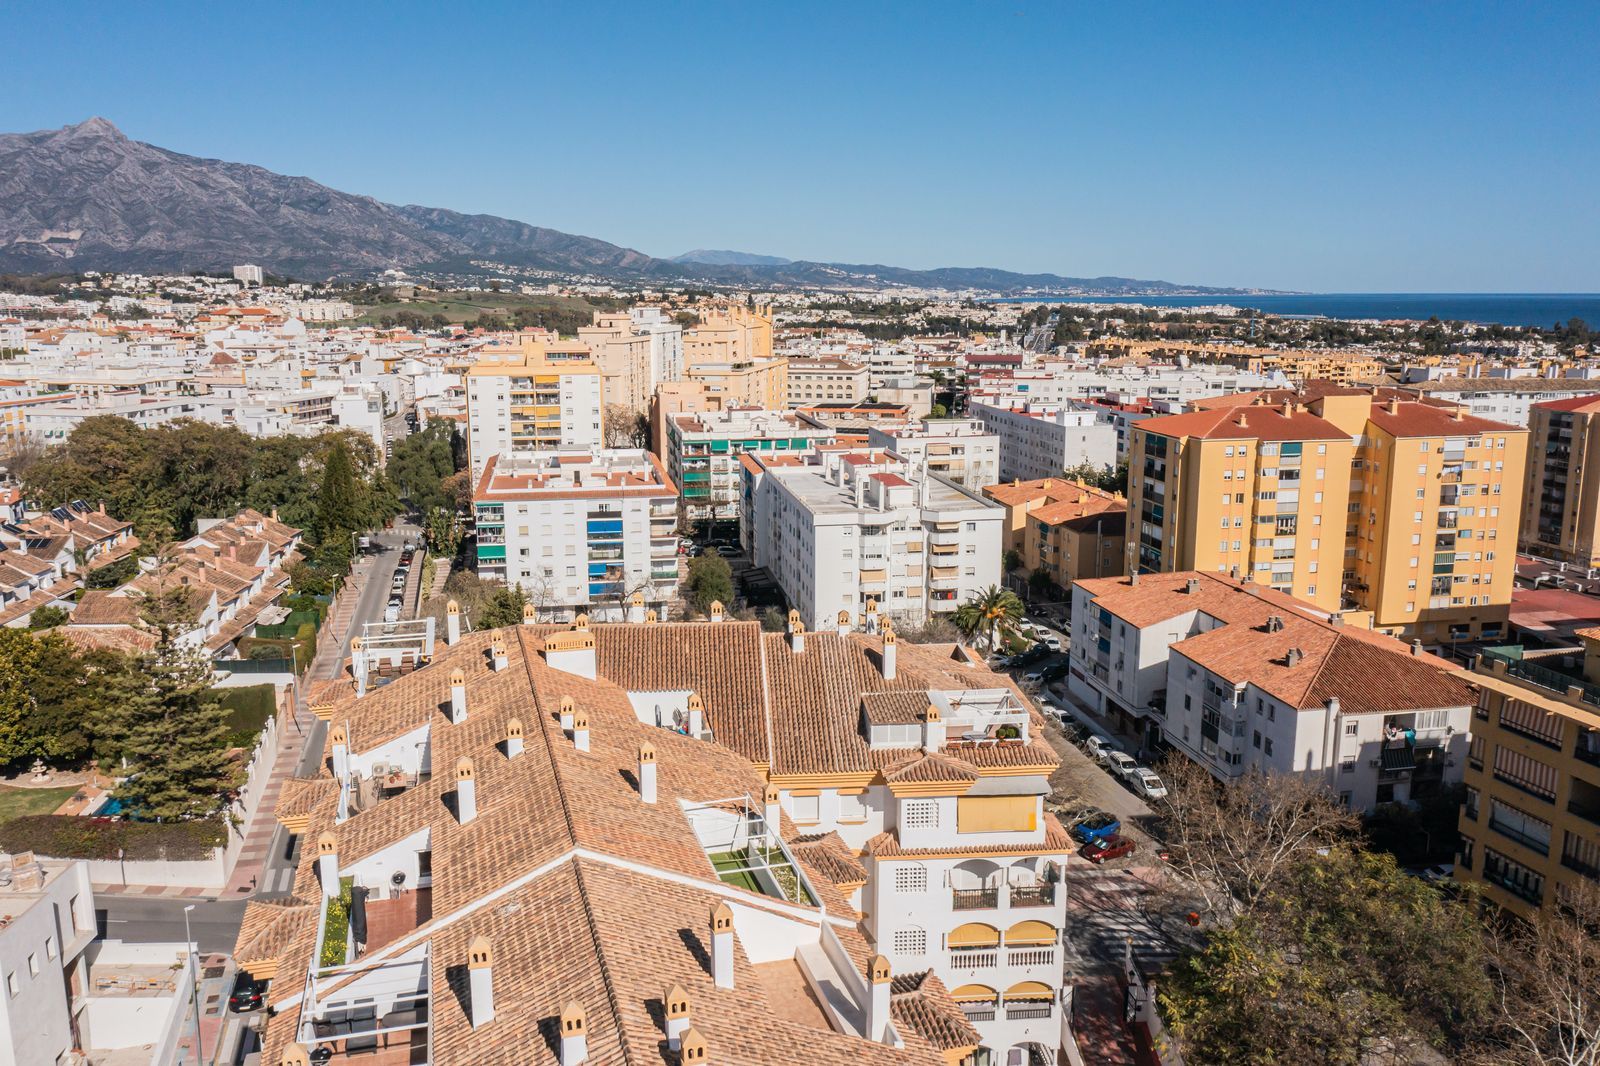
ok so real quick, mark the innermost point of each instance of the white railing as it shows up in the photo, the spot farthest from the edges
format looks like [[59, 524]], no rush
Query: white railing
[[1031, 956], [970, 959]]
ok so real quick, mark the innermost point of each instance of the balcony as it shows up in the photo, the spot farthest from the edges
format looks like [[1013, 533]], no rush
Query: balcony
[[1039, 895], [972, 899], [974, 958], [1539, 676], [983, 1011], [1029, 1008], [1044, 955], [1588, 811]]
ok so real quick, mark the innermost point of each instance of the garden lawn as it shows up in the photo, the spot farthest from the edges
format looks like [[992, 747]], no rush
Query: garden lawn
[[15, 802]]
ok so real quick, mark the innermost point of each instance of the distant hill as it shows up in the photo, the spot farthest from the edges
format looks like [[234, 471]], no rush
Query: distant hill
[[719, 257], [86, 197]]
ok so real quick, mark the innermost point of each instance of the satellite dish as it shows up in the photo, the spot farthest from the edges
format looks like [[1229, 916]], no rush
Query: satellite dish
[[397, 878]]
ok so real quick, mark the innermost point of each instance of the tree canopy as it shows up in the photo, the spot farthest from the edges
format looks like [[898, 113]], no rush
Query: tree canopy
[[710, 579]]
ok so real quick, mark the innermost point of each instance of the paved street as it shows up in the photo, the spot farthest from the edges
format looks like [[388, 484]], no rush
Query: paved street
[[146, 920]]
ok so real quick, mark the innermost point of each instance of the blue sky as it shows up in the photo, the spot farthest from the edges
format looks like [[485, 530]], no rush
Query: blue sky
[[1322, 147]]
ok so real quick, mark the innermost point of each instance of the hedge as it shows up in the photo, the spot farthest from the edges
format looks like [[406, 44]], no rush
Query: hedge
[[336, 929], [65, 836]]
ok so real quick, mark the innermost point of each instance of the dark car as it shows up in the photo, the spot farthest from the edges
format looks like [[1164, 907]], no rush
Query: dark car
[[1104, 849], [1097, 825], [247, 994]]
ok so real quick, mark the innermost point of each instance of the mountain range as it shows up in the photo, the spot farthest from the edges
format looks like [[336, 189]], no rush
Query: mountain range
[[87, 197]]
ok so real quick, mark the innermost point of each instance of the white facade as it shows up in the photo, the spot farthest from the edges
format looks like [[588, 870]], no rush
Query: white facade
[[957, 448], [1041, 441], [248, 274], [666, 343], [530, 408], [856, 529], [704, 449], [581, 534], [1058, 382], [50, 908]]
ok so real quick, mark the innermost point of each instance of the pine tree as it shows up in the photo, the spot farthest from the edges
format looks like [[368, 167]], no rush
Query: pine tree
[[337, 506], [165, 722]]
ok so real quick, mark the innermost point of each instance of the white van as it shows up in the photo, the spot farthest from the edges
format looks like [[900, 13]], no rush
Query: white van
[[1098, 747]]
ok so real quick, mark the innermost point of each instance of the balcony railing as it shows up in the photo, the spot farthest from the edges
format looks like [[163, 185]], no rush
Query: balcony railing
[[1532, 893], [1040, 895], [974, 958], [1031, 956], [971, 899], [1039, 1008], [979, 1012], [1541, 676]]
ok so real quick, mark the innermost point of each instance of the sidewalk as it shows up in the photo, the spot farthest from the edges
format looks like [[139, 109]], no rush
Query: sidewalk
[[262, 830]]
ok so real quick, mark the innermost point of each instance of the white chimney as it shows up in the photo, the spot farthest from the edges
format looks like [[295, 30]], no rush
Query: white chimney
[[844, 622], [716, 610], [574, 1035], [566, 712], [452, 623], [458, 695], [636, 607], [480, 980], [294, 1054], [513, 738], [772, 812], [341, 753], [697, 715], [888, 653], [797, 633], [878, 999], [466, 791], [580, 730], [530, 615], [647, 772], [676, 1002], [722, 945], [328, 864], [872, 616], [498, 650], [933, 733]]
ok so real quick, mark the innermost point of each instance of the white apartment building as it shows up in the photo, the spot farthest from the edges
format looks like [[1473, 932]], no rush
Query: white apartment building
[[1041, 440], [360, 407], [1237, 676], [813, 381], [849, 530], [581, 534], [956, 448], [248, 274], [703, 453], [1056, 382], [527, 399], [1504, 399], [50, 912]]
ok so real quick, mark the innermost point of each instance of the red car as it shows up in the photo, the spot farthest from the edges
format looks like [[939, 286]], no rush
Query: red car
[[1112, 847]]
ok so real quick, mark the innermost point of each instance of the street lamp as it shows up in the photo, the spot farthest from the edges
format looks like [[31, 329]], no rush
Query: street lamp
[[194, 987]]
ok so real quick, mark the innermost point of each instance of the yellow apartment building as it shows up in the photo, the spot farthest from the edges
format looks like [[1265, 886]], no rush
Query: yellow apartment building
[[1402, 509], [1561, 507], [534, 395], [1530, 825]]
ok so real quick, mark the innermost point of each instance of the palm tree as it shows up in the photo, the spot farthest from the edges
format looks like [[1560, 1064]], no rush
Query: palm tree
[[995, 611]]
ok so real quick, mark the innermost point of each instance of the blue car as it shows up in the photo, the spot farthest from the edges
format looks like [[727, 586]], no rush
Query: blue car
[[1096, 826]]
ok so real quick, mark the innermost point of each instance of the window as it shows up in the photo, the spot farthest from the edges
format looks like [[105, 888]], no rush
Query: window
[[910, 878], [920, 814], [804, 808], [996, 814], [1266, 745], [12, 985], [49, 947], [1530, 775], [1352, 728], [852, 808], [1348, 766]]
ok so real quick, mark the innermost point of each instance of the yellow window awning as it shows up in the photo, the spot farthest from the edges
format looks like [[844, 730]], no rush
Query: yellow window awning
[[974, 994], [1030, 990], [975, 935], [1025, 933]]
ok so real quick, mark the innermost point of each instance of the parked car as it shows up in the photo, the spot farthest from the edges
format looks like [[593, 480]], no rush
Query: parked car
[[1438, 874], [247, 995], [1056, 672], [1051, 641], [391, 613], [1122, 764], [1096, 826], [1147, 783], [1106, 848], [1033, 677], [1098, 747]]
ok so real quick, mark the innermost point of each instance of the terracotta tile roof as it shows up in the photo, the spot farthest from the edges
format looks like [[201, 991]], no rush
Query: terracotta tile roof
[[1585, 404], [1418, 419], [921, 1002], [895, 708], [930, 766], [887, 846], [830, 856], [271, 927], [1246, 423], [608, 936], [124, 639], [99, 608]]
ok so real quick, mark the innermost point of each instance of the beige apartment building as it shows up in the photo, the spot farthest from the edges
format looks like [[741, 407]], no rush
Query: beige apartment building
[[1070, 530], [1561, 508], [735, 334], [1530, 826], [1401, 509], [623, 357], [814, 381]]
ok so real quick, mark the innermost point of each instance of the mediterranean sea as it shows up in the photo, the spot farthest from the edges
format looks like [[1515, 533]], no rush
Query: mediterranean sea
[[1507, 309]]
